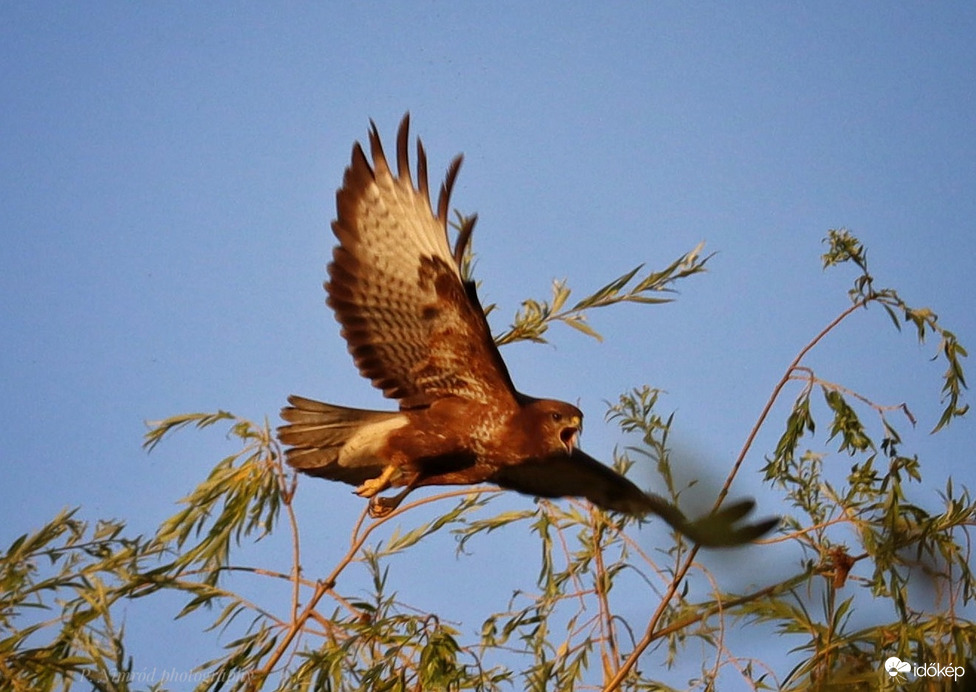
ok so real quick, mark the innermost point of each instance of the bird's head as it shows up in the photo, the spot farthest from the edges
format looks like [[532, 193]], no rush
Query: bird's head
[[556, 424]]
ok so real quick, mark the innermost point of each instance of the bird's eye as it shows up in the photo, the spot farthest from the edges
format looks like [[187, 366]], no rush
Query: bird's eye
[[557, 417]]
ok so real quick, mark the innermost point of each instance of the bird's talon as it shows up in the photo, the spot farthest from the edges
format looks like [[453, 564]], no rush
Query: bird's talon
[[380, 507], [370, 488], [373, 486]]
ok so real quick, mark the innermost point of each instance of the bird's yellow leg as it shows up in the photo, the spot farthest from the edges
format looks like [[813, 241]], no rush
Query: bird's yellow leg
[[372, 486]]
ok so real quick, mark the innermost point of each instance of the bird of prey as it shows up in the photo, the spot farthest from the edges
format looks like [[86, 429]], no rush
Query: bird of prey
[[417, 331]]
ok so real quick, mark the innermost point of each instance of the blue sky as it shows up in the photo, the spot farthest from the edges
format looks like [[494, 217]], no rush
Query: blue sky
[[168, 175]]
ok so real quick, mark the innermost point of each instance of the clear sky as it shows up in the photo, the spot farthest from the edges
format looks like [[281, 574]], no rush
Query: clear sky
[[167, 177]]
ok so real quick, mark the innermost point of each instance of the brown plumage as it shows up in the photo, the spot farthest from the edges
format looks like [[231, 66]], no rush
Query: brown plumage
[[417, 331]]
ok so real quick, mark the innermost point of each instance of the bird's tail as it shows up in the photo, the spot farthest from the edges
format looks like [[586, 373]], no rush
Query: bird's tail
[[316, 433]]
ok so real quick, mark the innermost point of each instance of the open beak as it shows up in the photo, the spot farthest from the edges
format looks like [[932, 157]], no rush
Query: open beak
[[570, 434]]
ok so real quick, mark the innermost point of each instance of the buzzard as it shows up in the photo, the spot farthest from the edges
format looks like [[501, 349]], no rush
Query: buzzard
[[416, 330]]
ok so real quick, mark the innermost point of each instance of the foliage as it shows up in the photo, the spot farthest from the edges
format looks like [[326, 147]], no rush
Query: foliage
[[868, 572]]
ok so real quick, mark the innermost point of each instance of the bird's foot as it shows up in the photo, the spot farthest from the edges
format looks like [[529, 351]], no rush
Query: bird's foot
[[373, 486], [380, 507]]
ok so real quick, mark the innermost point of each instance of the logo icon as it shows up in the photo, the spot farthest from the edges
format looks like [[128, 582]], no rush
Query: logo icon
[[895, 666]]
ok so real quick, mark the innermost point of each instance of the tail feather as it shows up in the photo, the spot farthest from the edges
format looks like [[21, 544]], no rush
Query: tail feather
[[316, 433]]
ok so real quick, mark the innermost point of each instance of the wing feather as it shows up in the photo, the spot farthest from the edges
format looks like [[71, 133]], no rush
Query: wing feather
[[411, 326], [580, 475]]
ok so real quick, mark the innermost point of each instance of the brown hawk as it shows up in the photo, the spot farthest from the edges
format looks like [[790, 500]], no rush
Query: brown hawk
[[416, 330]]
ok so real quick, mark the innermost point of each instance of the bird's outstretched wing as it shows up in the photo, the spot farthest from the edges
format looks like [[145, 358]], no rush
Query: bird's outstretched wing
[[580, 475], [412, 325]]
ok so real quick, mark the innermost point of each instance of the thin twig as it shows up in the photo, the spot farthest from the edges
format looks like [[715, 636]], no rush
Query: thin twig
[[651, 633], [325, 586]]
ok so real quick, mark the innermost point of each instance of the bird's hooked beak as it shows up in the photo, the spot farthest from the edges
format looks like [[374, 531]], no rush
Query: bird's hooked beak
[[570, 434]]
